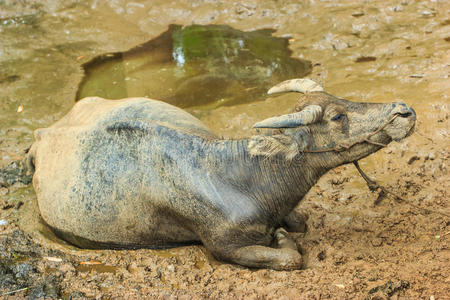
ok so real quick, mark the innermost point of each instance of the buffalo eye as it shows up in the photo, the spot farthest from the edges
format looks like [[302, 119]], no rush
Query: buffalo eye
[[338, 117]]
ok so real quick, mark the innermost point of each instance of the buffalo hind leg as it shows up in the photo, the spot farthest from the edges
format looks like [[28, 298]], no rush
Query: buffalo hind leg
[[285, 257]]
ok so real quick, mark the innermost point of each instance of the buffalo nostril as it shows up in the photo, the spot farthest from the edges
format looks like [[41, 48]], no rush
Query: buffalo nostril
[[408, 114], [403, 110], [405, 115]]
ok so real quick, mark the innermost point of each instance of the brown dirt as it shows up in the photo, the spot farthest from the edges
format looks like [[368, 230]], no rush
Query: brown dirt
[[376, 51]]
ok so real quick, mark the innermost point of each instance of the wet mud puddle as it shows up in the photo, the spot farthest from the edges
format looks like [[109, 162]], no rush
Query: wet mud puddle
[[204, 66]]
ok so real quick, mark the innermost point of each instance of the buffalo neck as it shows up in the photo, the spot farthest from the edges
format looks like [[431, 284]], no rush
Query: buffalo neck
[[274, 183]]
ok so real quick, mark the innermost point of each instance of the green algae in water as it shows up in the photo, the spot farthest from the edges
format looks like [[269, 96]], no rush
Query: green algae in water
[[210, 66]]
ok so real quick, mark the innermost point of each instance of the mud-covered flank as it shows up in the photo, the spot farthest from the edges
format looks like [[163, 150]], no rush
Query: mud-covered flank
[[106, 170], [377, 51], [196, 65]]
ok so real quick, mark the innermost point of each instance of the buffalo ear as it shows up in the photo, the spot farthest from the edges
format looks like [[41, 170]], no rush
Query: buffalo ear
[[310, 114], [274, 145]]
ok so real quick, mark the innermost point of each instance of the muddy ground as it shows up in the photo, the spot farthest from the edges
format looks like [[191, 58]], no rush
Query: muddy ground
[[353, 248]]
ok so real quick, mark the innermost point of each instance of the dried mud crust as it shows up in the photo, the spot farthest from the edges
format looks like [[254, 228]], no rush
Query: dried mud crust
[[352, 249]]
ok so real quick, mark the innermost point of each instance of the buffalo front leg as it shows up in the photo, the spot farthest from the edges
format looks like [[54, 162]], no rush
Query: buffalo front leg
[[296, 221], [285, 257]]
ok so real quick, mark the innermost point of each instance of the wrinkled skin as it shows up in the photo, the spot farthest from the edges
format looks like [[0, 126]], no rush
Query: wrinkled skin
[[142, 173]]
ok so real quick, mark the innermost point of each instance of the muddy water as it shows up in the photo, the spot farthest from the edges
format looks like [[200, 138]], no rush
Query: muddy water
[[204, 66], [376, 51]]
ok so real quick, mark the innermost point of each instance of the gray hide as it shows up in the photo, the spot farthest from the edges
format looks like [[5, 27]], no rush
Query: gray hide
[[141, 173]]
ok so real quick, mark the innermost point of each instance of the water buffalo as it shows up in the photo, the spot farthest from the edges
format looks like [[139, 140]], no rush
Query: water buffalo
[[142, 173]]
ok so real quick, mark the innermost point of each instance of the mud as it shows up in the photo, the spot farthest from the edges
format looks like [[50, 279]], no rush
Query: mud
[[372, 51]]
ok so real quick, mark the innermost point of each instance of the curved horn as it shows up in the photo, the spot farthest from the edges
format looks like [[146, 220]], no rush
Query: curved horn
[[301, 85], [308, 115]]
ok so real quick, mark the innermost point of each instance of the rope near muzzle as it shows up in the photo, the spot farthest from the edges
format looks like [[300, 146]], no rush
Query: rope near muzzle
[[382, 191], [373, 185]]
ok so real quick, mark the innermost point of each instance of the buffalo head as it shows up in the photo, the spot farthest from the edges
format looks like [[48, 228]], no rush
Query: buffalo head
[[322, 123]]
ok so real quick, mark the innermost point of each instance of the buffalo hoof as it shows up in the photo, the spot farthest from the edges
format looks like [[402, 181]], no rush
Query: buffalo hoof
[[283, 240]]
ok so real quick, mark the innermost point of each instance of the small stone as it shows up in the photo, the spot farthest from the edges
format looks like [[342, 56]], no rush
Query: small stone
[[430, 156], [362, 59], [3, 190], [18, 205], [287, 36], [416, 75], [322, 255], [3, 223], [53, 259], [133, 268], [397, 8], [77, 295], [358, 14], [171, 268], [21, 271], [5, 205], [413, 159], [339, 258], [427, 13], [66, 268], [377, 242]]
